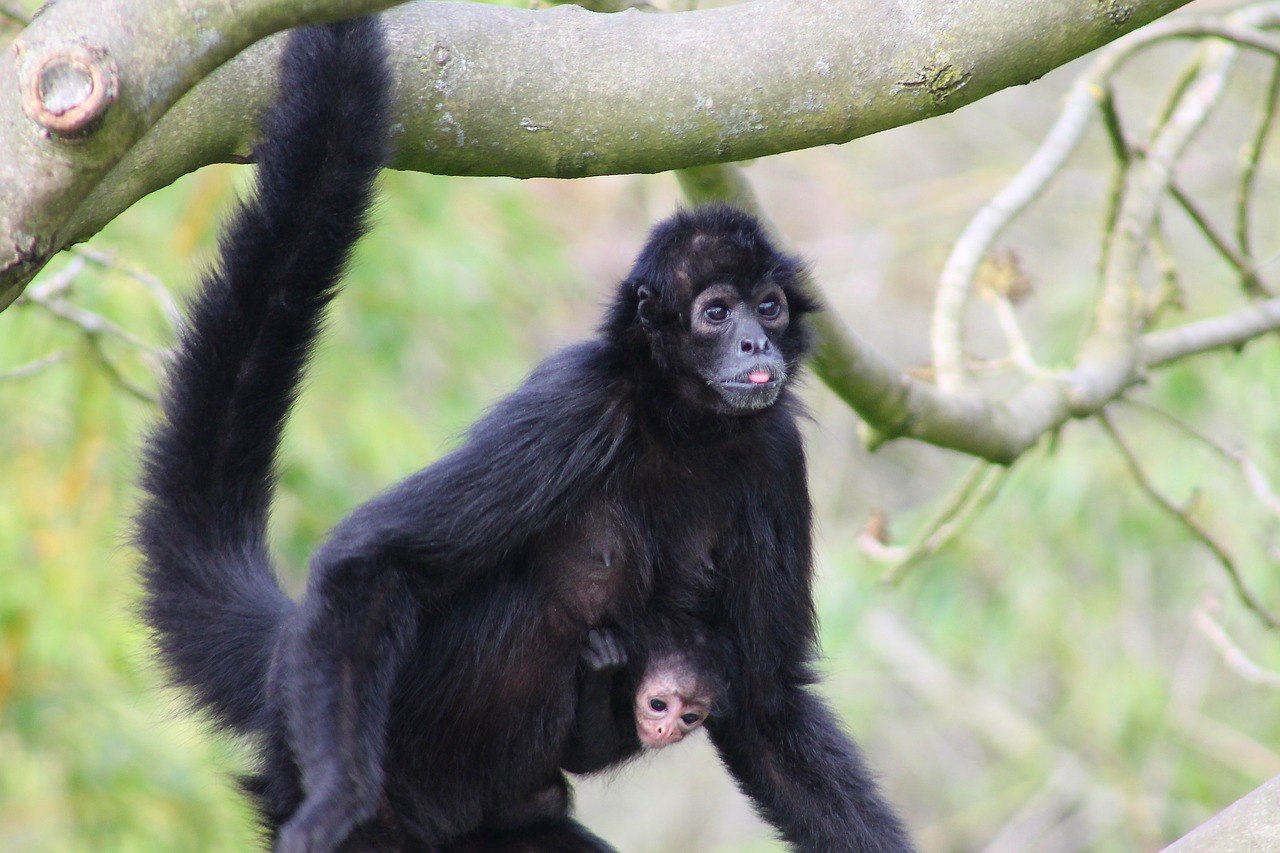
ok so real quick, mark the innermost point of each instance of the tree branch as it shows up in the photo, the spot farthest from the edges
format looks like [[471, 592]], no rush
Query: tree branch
[[1190, 524], [956, 282], [485, 90], [86, 79], [1251, 823]]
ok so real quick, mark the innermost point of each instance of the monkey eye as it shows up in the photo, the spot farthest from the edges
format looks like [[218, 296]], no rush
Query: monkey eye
[[770, 309], [716, 313], [690, 719], [658, 705]]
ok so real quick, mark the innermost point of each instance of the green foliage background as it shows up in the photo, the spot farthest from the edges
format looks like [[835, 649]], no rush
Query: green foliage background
[[1044, 667]]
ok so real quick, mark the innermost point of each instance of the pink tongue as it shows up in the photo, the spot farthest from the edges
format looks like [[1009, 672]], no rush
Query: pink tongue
[[759, 377]]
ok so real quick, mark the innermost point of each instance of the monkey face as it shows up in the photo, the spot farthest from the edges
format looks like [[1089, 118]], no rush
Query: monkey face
[[670, 703], [722, 309], [737, 343]]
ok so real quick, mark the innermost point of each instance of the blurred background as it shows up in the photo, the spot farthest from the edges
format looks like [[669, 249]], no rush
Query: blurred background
[[1044, 682]]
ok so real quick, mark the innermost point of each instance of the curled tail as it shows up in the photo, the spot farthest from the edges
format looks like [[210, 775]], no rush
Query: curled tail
[[211, 596]]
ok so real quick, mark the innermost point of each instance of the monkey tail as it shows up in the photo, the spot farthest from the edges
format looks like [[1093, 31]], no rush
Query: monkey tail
[[211, 597]]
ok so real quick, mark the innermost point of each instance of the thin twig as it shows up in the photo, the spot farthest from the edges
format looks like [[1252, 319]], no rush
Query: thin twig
[[1195, 528], [55, 286], [1124, 157], [1249, 470], [1188, 73], [1249, 280], [31, 368], [1020, 352], [1169, 293], [50, 296], [93, 324], [113, 371], [978, 487], [1232, 655], [1250, 155], [153, 285]]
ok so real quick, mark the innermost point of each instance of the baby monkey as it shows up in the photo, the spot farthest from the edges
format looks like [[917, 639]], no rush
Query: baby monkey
[[684, 681], [620, 715]]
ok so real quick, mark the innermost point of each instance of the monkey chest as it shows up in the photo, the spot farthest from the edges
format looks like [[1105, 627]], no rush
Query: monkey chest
[[611, 561], [591, 568]]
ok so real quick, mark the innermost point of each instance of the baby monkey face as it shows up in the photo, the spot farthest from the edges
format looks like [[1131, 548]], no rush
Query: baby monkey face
[[671, 701]]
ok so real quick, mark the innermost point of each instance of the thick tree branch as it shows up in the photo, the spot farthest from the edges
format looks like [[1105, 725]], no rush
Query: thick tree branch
[[485, 90], [86, 79], [1251, 823]]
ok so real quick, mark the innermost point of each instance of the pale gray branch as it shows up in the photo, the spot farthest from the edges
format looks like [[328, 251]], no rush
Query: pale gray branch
[[85, 80], [1251, 823], [1232, 655], [484, 90], [956, 281], [1229, 330]]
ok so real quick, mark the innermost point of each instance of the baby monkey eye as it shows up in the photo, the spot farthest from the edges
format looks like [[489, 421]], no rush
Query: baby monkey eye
[[770, 309], [716, 313], [658, 705], [690, 719]]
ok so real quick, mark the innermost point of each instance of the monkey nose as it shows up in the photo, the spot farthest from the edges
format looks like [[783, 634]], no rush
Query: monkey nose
[[747, 346]]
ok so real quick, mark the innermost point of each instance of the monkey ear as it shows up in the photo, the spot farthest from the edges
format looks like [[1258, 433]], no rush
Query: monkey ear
[[645, 309]]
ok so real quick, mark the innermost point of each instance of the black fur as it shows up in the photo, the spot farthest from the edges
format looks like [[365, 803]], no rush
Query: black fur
[[209, 468], [424, 689]]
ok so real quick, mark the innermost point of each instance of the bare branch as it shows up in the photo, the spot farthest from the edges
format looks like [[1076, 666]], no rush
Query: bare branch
[[1235, 329], [154, 286], [1249, 280], [1249, 470], [973, 493], [1251, 823], [1169, 293], [481, 89], [1019, 346], [50, 296], [1189, 523], [1232, 655], [1250, 155], [90, 323], [31, 368], [956, 281]]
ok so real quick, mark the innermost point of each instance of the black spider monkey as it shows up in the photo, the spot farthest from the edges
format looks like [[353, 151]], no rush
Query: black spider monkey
[[423, 691]]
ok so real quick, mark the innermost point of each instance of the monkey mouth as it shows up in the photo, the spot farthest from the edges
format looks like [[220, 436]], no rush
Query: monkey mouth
[[752, 389], [757, 377]]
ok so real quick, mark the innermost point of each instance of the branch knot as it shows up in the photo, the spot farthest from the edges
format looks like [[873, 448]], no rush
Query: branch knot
[[68, 89]]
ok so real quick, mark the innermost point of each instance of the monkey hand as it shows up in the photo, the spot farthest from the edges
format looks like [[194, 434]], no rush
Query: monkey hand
[[603, 652]]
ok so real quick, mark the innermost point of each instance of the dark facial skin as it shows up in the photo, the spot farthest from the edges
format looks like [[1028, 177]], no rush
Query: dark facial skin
[[719, 308], [733, 334]]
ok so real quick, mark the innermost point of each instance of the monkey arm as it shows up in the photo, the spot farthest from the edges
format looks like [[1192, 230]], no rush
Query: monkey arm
[[340, 663], [807, 777], [599, 737], [786, 749]]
